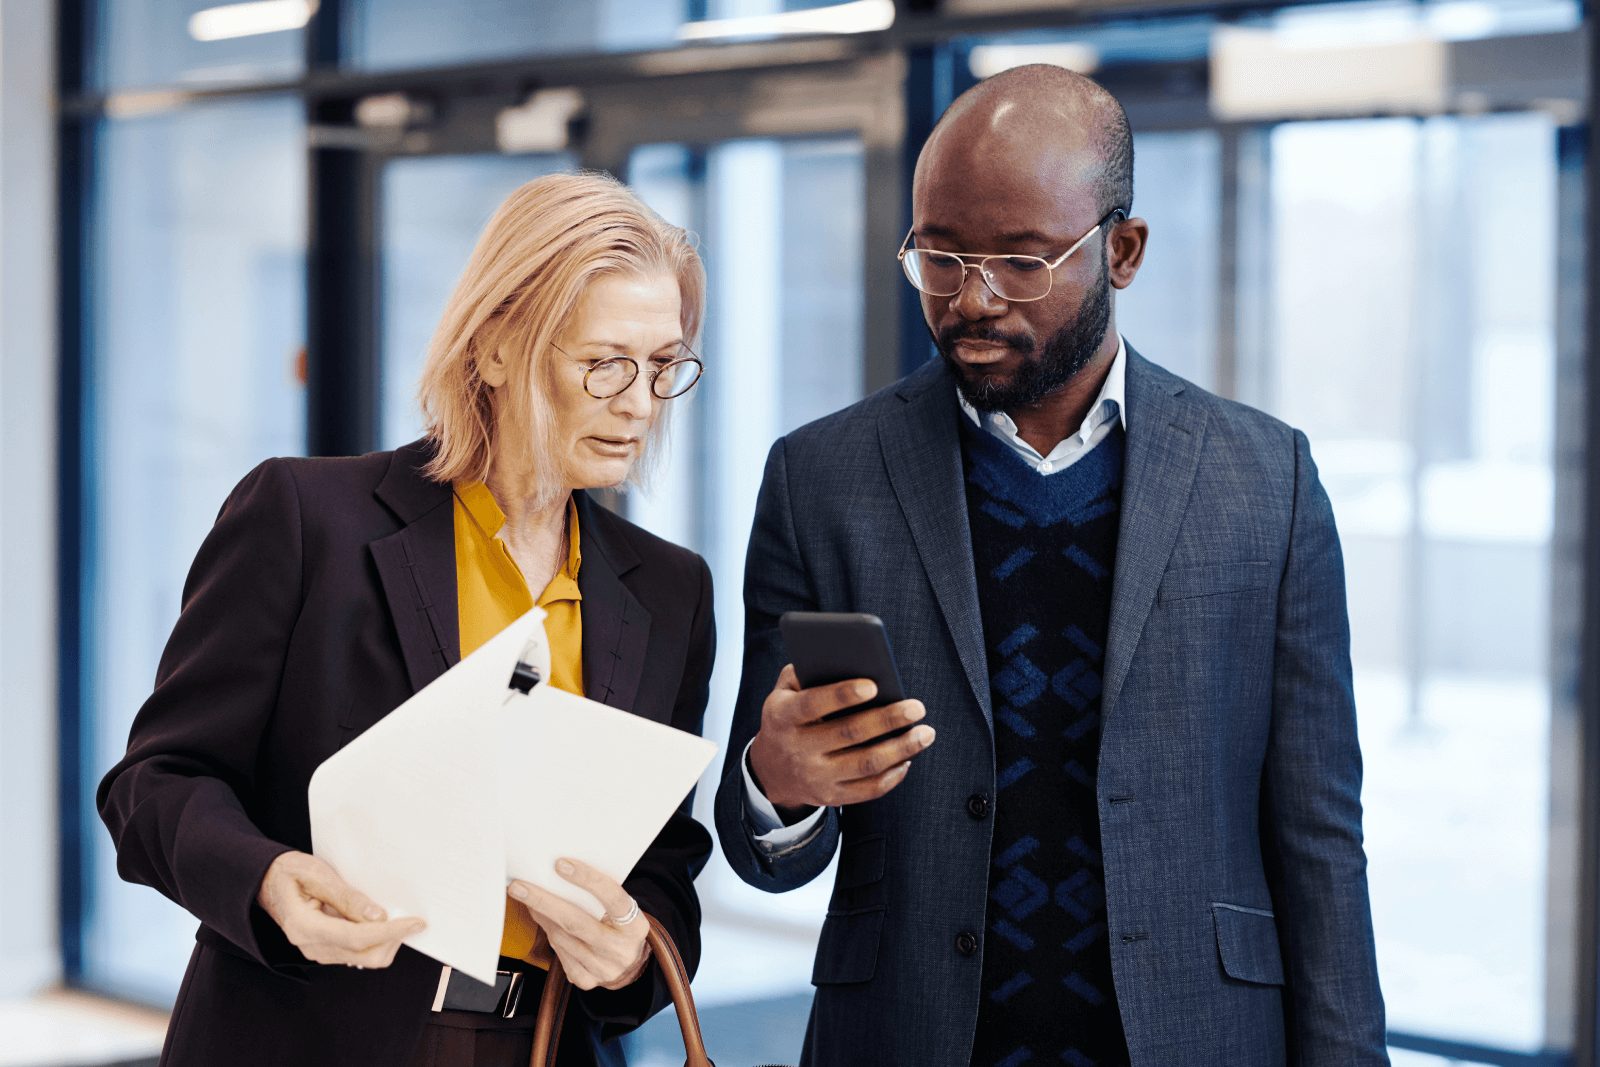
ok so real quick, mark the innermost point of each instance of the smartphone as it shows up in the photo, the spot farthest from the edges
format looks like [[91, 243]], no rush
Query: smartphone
[[827, 647]]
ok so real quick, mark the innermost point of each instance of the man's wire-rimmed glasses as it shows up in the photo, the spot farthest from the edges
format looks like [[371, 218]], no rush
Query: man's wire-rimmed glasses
[[1014, 278], [608, 377]]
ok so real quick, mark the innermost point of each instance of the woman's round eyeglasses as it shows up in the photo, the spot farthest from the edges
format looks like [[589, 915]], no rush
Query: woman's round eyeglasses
[[608, 377], [1014, 278]]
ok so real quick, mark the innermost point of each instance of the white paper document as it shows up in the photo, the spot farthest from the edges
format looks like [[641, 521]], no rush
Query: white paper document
[[470, 783]]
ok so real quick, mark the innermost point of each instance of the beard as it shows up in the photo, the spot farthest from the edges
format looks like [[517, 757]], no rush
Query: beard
[[1043, 369]]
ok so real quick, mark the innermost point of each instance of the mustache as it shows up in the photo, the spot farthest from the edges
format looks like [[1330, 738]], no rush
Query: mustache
[[947, 338]]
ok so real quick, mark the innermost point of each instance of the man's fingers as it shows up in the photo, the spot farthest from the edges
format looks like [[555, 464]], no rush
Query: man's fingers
[[864, 789], [604, 888], [810, 706], [865, 726], [872, 760], [788, 680]]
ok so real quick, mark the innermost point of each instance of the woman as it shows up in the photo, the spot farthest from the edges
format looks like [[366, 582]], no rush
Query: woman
[[330, 590]]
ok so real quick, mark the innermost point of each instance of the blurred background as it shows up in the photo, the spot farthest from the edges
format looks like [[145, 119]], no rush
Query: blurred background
[[226, 232]]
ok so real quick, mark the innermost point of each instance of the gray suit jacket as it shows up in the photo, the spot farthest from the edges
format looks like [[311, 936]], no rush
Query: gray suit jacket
[[1230, 777]]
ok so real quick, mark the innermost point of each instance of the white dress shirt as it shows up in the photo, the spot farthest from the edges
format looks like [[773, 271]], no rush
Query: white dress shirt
[[772, 836]]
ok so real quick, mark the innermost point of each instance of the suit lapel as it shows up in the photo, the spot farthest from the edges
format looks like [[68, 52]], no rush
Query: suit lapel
[[417, 567], [922, 452], [616, 627], [1164, 437]]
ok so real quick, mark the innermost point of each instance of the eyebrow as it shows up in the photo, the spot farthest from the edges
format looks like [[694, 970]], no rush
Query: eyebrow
[[617, 346], [1015, 237]]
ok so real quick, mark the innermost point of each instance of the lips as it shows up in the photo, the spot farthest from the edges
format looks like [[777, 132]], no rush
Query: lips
[[979, 345], [981, 354], [613, 446]]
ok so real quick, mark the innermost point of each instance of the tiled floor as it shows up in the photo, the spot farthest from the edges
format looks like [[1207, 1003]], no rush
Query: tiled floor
[[63, 1028]]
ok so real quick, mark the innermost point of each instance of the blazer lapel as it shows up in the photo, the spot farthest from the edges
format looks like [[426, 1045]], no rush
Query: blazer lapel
[[417, 567], [1164, 438], [921, 444], [616, 627]]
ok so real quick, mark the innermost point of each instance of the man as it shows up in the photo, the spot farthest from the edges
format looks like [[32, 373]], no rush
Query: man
[[1120, 602]]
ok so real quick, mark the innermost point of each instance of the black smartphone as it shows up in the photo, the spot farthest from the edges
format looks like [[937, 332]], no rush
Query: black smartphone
[[827, 647]]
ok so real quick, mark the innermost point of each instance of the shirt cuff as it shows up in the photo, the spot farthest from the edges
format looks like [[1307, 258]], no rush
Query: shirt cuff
[[770, 834]]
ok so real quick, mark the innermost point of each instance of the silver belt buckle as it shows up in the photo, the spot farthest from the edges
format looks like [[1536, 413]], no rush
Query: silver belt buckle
[[464, 993]]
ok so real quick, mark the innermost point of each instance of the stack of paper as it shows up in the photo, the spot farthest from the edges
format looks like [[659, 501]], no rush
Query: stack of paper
[[470, 783]]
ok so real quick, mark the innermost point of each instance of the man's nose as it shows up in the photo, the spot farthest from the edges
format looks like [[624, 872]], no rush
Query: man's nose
[[976, 300]]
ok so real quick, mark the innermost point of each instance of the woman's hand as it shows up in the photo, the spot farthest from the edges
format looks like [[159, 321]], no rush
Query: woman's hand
[[594, 952], [326, 918]]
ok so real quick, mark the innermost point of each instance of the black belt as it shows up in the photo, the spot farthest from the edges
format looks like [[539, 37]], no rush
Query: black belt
[[462, 992]]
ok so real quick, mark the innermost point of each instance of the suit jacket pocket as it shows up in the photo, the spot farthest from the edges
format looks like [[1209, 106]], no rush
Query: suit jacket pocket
[[847, 952], [861, 861], [1189, 583], [1247, 941]]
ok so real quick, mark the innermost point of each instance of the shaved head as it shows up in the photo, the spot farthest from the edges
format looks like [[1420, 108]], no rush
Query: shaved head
[[1039, 105]]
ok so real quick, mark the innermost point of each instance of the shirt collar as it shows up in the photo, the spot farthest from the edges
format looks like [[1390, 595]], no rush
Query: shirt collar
[[483, 508], [1113, 392], [485, 511]]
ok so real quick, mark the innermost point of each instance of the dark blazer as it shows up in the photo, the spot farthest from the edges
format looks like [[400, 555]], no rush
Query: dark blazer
[[324, 596], [1230, 778]]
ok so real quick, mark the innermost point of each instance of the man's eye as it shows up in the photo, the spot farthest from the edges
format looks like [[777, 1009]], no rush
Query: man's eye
[[1024, 264]]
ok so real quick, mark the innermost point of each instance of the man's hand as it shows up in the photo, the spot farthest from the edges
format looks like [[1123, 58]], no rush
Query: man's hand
[[595, 952], [801, 762], [328, 920]]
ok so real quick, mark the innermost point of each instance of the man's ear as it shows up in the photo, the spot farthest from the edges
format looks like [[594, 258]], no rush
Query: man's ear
[[492, 367], [1125, 250]]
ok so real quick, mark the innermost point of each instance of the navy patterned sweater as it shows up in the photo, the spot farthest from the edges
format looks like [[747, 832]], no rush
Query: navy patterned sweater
[[1045, 547]]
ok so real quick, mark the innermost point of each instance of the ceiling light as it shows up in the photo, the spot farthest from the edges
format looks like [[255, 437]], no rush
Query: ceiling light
[[862, 16], [247, 20], [987, 60], [1258, 74], [541, 124]]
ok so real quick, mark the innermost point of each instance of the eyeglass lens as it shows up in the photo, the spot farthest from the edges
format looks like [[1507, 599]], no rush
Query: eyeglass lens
[[611, 376], [1011, 277]]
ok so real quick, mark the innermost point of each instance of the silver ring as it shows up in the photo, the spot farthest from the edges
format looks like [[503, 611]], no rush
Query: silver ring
[[633, 913]]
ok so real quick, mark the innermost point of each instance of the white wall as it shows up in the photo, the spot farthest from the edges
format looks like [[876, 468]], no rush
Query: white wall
[[29, 952]]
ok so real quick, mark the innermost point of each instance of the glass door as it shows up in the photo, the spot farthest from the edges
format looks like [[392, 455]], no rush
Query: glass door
[[199, 280], [1415, 340]]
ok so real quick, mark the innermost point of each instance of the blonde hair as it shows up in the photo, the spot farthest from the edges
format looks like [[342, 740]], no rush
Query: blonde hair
[[539, 253]]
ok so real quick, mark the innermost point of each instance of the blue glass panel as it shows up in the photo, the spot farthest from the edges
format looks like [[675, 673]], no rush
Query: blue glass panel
[[783, 224], [160, 42], [1169, 313], [1415, 280], [433, 211], [387, 34], [198, 313]]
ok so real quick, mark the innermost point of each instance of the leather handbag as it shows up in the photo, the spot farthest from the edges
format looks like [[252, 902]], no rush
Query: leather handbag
[[553, 1003]]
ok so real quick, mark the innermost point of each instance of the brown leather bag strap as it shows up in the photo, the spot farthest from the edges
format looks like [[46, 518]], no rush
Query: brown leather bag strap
[[677, 976], [552, 1009], [553, 1003]]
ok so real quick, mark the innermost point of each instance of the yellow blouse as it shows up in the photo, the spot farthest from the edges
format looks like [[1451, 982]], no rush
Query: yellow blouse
[[491, 593]]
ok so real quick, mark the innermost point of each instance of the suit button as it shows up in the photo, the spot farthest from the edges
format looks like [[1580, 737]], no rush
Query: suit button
[[977, 805], [966, 944]]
